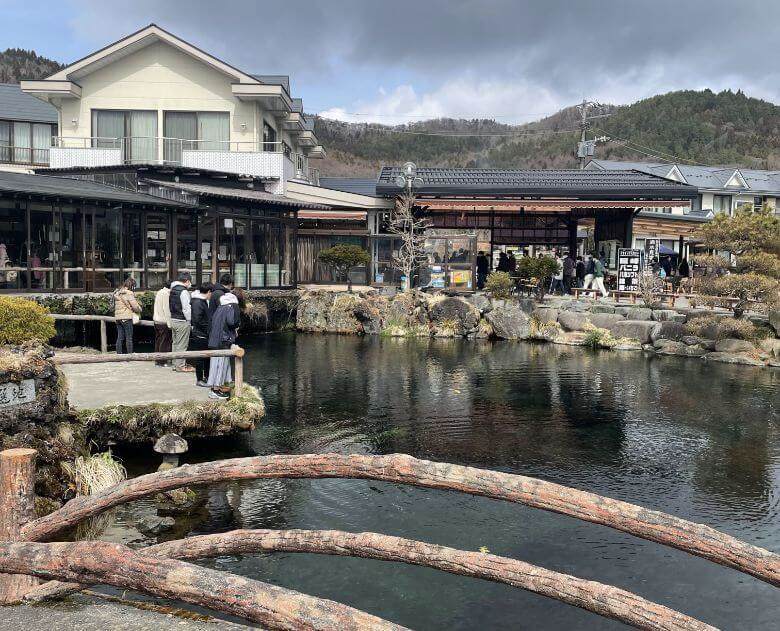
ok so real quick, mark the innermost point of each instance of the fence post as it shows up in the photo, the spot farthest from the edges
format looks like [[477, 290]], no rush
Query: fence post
[[238, 352], [17, 508], [103, 337]]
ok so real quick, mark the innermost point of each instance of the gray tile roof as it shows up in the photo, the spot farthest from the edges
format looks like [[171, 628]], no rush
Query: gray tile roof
[[592, 184], [693, 216], [49, 186], [274, 79], [243, 194], [713, 178], [18, 106], [357, 185]]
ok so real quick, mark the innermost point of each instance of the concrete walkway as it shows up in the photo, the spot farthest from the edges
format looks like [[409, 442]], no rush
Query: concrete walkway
[[96, 385]]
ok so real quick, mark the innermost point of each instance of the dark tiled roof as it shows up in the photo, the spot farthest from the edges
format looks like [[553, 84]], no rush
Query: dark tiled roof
[[575, 182], [243, 194], [693, 216], [18, 106], [274, 79], [64, 187], [357, 185]]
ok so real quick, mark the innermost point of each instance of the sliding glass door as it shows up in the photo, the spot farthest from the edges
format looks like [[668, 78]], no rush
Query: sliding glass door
[[133, 130], [207, 131]]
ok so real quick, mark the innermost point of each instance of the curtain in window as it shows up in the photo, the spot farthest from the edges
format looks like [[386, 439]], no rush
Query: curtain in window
[[41, 141], [269, 137], [178, 127], [22, 152], [214, 130], [5, 141], [143, 141], [108, 128]]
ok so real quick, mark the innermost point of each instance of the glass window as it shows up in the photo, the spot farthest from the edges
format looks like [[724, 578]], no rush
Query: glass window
[[13, 246], [214, 131], [41, 141], [136, 129], [106, 251], [195, 130], [269, 137], [43, 237], [721, 204], [156, 251], [186, 244], [72, 247], [22, 142], [5, 141], [207, 247], [132, 246]]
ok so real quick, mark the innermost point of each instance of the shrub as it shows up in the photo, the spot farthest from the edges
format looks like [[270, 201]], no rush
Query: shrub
[[538, 270], [342, 257], [23, 320], [599, 338], [499, 284], [719, 328], [748, 288]]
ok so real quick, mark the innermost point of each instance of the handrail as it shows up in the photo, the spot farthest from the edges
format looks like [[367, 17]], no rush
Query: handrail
[[234, 351], [96, 318]]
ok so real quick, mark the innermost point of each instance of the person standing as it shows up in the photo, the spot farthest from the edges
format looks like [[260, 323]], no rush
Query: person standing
[[199, 338], [224, 286], [684, 270], [569, 272], [503, 263], [557, 279], [512, 263], [126, 311], [580, 271], [590, 271], [181, 314], [483, 267], [598, 277], [162, 322], [223, 334]]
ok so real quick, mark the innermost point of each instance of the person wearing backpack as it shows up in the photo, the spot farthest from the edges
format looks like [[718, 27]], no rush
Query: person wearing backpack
[[127, 311]]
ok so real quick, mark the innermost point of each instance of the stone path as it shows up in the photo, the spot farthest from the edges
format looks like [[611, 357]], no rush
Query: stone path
[[131, 383]]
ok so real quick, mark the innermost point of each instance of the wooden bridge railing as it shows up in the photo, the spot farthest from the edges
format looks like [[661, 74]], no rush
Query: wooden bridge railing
[[97, 318], [234, 351]]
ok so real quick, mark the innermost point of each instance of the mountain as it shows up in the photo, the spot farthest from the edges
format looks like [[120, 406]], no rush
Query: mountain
[[17, 64], [726, 128]]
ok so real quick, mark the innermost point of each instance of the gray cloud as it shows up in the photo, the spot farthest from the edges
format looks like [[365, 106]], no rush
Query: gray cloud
[[616, 50]]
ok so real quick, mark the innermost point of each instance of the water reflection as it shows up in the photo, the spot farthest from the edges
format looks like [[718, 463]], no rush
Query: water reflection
[[697, 440]]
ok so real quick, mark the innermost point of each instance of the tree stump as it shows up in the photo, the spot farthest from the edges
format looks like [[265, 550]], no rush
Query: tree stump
[[17, 508]]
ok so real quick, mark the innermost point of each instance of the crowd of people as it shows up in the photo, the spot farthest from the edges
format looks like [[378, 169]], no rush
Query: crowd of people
[[206, 318]]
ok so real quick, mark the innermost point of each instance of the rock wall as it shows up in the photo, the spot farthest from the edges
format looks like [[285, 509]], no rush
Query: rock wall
[[558, 320]]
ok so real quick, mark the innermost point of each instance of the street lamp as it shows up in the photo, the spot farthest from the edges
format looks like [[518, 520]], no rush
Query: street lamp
[[408, 177]]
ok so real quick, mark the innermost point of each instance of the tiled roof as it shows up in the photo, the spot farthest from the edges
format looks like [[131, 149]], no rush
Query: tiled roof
[[357, 185], [243, 194], [274, 79], [701, 176], [64, 187], [18, 106], [615, 184]]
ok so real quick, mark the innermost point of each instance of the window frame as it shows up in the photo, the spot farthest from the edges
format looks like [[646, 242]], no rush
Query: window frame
[[12, 147]]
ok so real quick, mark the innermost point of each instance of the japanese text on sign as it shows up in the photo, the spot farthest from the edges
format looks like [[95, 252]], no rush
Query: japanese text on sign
[[629, 269]]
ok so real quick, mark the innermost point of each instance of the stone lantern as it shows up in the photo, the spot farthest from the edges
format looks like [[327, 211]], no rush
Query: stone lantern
[[170, 446]]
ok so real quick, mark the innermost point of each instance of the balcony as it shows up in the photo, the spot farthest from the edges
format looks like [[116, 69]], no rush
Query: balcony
[[265, 160]]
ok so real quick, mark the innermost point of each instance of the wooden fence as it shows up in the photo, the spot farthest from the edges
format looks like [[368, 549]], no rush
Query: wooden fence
[[97, 318]]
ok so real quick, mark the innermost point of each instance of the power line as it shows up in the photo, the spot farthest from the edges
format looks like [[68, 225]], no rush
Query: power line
[[660, 155], [515, 134]]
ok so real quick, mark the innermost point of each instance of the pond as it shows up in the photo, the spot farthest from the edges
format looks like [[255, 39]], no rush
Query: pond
[[697, 440]]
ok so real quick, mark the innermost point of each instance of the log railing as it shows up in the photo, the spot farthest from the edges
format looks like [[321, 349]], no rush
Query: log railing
[[234, 351], [60, 561], [97, 318]]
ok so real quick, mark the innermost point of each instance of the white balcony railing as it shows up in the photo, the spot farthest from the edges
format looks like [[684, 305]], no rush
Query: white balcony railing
[[260, 159]]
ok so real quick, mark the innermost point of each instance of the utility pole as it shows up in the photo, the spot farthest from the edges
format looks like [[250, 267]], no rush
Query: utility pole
[[586, 148]]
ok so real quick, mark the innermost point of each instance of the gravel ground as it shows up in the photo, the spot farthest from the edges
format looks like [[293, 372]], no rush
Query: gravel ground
[[85, 613]]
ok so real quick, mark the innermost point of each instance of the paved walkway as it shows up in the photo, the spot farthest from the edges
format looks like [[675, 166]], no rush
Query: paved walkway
[[96, 385]]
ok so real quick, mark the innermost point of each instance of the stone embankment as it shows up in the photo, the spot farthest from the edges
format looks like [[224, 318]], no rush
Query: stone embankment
[[688, 332]]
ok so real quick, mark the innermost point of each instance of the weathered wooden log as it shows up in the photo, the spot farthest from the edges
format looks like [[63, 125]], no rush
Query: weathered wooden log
[[78, 358], [642, 522], [17, 507], [598, 598], [113, 564]]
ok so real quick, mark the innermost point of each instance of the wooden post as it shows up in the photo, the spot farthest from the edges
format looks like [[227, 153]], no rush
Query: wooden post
[[17, 508], [239, 376], [103, 337]]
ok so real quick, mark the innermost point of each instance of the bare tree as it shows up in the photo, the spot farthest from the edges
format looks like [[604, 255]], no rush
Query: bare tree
[[411, 229]]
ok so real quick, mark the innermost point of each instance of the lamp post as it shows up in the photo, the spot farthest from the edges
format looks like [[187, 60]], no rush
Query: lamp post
[[408, 177]]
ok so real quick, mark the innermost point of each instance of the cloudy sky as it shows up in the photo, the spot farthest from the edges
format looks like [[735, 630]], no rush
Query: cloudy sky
[[403, 60]]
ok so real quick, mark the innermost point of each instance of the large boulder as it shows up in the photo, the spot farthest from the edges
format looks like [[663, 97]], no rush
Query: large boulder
[[605, 320], [635, 313], [734, 358], [573, 320], [641, 330], [579, 306], [672, 347], [509, 322], [312, 312], [372, 314], [774, 321], [668, 315], [600, 308], [480, 302], [771, 346], [452, 316], [545, 315], [730, 345], [670, 330]]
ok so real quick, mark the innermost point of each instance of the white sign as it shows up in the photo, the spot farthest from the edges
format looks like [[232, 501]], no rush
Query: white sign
[[17, 393], [629, 269]]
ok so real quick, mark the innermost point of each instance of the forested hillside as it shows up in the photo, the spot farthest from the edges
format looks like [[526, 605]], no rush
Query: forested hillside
[[726, 128], [17, 64]]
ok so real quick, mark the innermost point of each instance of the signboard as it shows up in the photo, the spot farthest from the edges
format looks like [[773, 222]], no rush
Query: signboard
[[652, 249], [12, 394], [629, 269]]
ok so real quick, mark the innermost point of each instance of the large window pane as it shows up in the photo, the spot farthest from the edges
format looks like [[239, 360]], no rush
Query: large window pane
[[41, 142], [213, 130], [133, 244], [13, 246], [156, 251], [186, 244], [72, 247], [22, 143], [108, 127], [43, 236], [179, 128], [258, 254], [207, 249], [143, 141], [5, 141], [106, 249], [269, 137]]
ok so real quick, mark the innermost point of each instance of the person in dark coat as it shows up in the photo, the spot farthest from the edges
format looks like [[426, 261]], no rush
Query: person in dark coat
[[223, 334], [224, 286], [199, 337], [580, 271], [503, 263], [684, 270], [483, 267]]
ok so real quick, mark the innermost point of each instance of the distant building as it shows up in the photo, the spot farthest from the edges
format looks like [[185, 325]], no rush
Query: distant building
[[27, 126]]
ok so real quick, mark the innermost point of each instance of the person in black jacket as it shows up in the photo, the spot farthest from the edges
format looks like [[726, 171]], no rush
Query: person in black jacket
[[201, 324], [224, 330], [224, 286]]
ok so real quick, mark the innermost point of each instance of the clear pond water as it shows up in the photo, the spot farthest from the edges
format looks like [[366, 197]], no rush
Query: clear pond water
[[697, 440]]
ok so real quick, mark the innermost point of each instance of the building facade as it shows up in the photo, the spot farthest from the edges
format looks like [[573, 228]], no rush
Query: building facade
[[27, 126]]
